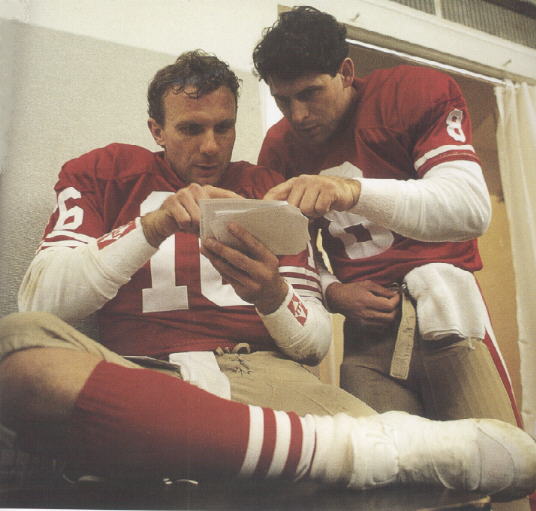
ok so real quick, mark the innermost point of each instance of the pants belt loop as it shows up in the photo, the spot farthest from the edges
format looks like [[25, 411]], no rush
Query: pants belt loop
[[404, 339]]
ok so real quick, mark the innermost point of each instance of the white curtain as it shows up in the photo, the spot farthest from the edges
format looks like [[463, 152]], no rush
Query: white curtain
[[516, 139]]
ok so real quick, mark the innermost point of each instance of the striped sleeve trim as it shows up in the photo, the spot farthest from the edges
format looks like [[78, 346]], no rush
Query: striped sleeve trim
[[451, 150]]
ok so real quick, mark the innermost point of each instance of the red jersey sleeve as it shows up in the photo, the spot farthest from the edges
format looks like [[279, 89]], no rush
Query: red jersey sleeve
[[437, 117], [77, 217]]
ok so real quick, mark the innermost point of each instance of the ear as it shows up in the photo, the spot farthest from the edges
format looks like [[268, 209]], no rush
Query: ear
[[347, 71], [156, 131]]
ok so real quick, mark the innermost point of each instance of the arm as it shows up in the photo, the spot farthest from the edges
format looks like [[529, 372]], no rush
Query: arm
[[75, 281], [287, 298], [365, 303], [450, 202]]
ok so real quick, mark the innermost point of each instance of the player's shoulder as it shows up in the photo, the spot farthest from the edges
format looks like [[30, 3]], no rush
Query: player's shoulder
[[251, 180], [408, 79], [114, 161]]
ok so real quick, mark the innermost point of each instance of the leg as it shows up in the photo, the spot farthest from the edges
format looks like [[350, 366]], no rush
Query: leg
[[460, 380], [21, 331], [379, 390], [124, 419], [269, 379], [365, 373]]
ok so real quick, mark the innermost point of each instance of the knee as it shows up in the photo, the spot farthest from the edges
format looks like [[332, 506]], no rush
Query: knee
[[22, 330], [18, 322]]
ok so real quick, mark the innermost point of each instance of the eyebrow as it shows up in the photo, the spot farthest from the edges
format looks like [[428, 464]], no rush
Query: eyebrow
[[310, 88]]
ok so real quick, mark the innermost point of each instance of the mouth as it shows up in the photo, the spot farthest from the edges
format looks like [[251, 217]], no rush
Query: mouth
[[207, 168], [309, 130]]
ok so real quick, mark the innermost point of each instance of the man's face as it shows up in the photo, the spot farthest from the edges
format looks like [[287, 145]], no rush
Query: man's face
[[314, 104], [198, 134]]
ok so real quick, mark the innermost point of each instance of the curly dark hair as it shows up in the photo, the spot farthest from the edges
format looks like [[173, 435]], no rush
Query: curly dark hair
[[198, 69], [302, 41]]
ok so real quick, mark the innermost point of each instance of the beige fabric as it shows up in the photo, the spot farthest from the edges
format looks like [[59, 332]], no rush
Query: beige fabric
[[262, 378], [268, 379], [448, 379]]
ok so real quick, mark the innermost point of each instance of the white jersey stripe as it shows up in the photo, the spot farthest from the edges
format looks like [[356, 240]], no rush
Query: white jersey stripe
[[256, 436], [70, 234], [440, 150], [282, 444], [63, 243]]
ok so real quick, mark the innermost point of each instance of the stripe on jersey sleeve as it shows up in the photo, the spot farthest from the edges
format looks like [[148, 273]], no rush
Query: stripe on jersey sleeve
[[307, 281], [64, 238], [455, 149]]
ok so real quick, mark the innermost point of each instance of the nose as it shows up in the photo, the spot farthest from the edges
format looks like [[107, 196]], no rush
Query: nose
[[298, 111], [209, 145]]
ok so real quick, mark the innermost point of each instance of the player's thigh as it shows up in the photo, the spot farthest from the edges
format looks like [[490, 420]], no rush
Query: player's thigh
[[26, 330], [379, 390], [271, 380], [460, 380]]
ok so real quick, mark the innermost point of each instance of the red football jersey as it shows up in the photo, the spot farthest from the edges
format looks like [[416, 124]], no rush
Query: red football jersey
[[405, 120], [177, 300]]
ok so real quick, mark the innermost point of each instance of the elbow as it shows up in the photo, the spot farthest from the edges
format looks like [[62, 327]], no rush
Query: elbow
[[313, 359]]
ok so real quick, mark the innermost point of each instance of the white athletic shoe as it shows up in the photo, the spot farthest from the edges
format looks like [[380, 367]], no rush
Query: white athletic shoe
[[482, 455]]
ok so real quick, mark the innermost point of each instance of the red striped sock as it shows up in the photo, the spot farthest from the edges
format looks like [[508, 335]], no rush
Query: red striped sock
[[146, 421]]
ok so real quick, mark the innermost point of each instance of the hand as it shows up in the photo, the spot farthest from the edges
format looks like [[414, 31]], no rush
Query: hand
[[316, 195], [180, 212], [253, 273], [365, 303]]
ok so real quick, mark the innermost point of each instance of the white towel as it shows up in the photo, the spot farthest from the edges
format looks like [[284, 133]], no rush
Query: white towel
[[201, 369], [448, 300]]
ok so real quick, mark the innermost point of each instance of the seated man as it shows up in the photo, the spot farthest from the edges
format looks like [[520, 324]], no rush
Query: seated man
[[164, 303]]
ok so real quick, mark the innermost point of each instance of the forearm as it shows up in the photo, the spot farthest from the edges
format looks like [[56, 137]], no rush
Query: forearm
[[75, 282], [300, 327], [450, 203]]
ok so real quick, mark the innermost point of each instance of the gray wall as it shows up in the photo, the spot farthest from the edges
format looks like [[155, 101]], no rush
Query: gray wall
[[67, 94]]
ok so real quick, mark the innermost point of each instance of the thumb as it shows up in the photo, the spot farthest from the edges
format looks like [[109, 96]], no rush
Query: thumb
[[219, 193]]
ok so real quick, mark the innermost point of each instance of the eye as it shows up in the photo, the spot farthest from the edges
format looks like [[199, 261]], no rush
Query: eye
[[307, 94], [190, 130], [224, 127]]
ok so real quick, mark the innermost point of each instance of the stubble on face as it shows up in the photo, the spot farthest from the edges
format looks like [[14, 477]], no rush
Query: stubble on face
[[198, 134]]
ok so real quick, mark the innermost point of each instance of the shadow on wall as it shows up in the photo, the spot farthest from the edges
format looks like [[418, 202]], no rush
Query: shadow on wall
[[69, 94]]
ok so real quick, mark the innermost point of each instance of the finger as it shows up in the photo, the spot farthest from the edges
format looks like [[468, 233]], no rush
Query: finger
[[255, 249], [324, 203], [309, 201], [380, 290], [295, 196], [188, 198], [180, 215], [381, 304], [234, 276], [213, 192], [230, 256], [280, 191]]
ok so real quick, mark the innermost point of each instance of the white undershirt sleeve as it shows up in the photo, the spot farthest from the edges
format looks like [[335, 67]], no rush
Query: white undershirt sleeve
[[75, 282], [300, 327], [450, 203]]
